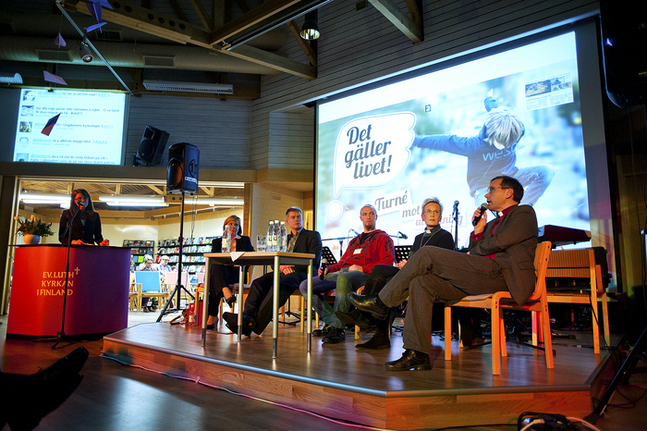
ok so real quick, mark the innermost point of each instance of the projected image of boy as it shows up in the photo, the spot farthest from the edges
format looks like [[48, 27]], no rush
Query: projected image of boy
[[493, 152]]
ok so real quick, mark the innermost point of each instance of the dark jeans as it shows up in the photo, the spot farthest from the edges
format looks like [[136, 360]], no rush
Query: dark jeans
[[261, 295]]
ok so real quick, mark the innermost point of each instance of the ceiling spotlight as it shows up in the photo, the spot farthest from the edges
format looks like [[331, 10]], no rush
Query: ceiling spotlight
[[85, 52], [310, 29]]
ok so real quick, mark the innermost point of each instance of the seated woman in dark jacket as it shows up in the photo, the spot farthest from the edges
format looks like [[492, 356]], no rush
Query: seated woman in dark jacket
[[86, 224], [221, 276]]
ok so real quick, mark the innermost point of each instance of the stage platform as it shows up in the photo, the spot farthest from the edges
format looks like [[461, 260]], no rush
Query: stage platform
[[338, 381]]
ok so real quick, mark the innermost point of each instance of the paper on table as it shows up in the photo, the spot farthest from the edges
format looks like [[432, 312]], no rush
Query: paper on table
[[235, 255]]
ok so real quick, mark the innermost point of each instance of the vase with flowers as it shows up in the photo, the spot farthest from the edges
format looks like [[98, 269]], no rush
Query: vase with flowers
[[33, 228]]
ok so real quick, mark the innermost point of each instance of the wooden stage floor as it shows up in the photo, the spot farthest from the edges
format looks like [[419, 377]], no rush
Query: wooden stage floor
[[338, 381]]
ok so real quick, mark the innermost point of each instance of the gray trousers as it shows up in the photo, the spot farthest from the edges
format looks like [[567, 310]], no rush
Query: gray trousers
[[432, 274]]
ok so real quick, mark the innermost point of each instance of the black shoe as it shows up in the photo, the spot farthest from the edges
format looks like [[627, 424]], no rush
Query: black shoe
[[335, 336], [48, 398], [370, 304], [410, 360], [354, 318], [231, 301], [145, 309], [379, 341], [231, 321], [322, 332], [67, 366], [46, 390]]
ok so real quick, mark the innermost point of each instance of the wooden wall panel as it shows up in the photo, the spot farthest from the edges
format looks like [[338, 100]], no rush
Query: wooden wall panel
[[220, 129]]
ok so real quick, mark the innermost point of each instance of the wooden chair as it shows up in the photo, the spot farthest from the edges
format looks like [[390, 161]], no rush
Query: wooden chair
[[134, 303], [498, 301], [149, 285], [580, 263]]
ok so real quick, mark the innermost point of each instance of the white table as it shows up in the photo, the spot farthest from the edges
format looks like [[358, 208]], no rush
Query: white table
[[248, 258]]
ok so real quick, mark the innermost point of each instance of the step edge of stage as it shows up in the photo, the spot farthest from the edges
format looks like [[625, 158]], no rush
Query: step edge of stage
[[345, 387]]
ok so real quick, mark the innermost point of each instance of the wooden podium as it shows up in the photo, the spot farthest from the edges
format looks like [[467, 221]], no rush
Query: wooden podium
[[97, 301]]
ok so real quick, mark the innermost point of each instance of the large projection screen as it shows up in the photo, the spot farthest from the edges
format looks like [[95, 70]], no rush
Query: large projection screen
[[89, 128], [396, 144]]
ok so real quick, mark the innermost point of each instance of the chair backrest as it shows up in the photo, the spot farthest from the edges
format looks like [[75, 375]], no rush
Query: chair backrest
[[542, 254], [402, 252], [150, 280], [576, 263], [171, 278]]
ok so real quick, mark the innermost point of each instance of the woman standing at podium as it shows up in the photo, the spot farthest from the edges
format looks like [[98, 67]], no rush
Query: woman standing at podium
[[220, 276], [85, 222]]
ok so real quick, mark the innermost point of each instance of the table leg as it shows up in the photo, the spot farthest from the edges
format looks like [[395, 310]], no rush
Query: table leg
[[240, 302], [309, 306], [205, 302], [275, 307]]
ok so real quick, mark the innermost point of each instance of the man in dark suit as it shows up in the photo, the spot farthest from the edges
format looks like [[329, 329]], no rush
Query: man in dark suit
[[501, 257], [258, 311]]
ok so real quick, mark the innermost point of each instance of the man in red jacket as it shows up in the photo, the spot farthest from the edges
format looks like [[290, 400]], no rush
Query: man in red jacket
[[371, 247]]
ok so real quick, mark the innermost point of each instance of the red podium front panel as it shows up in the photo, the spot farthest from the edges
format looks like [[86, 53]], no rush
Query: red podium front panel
[[97, 296]]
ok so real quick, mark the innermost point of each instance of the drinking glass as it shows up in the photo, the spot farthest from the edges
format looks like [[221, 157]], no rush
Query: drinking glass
[[260, 242]]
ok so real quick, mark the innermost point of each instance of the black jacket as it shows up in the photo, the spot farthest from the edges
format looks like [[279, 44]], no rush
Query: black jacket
[[89, 233]]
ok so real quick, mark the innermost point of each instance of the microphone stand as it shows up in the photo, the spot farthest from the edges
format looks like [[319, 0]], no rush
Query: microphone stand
[[341, 243], [455, 218], [61, 334]]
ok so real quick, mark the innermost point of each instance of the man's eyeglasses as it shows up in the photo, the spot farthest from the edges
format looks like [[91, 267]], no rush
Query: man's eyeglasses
[[429, 212], [491, 189]]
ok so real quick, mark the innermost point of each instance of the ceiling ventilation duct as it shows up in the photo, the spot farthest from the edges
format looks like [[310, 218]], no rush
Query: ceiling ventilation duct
[[189, 87]]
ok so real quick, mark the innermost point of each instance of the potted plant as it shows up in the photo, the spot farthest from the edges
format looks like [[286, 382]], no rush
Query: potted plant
[[32, 229]]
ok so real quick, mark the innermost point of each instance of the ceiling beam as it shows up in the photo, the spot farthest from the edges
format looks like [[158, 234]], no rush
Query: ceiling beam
[[156, 189], [178, 10], [249, 19], [202, 14], [139, 18], [264, 58], [304, 44], [103, 188], [414, 11], [402, 22], [207, 190]]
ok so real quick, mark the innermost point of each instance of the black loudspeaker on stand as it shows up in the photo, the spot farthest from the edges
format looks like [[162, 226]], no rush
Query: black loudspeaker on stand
[[182, 169], [182, 177], [151, 147], [624, 44]]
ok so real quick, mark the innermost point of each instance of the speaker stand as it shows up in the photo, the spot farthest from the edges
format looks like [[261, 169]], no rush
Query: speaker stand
[[179, 286]]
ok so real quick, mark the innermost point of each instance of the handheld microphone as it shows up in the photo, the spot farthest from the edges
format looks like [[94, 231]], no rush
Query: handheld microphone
[[477, 219], [403, 236]]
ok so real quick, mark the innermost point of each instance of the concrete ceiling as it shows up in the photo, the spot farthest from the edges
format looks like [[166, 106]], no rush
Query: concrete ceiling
[[219, 41]]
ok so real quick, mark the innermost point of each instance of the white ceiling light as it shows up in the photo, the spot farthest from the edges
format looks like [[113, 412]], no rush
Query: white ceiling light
[[45, 199], [133, 200], [221, 202]]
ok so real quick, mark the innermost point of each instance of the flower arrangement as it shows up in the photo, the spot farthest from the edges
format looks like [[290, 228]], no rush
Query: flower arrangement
[[33, 226]]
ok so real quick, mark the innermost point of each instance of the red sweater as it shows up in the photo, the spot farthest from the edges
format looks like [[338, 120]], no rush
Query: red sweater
[[367, 250]]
